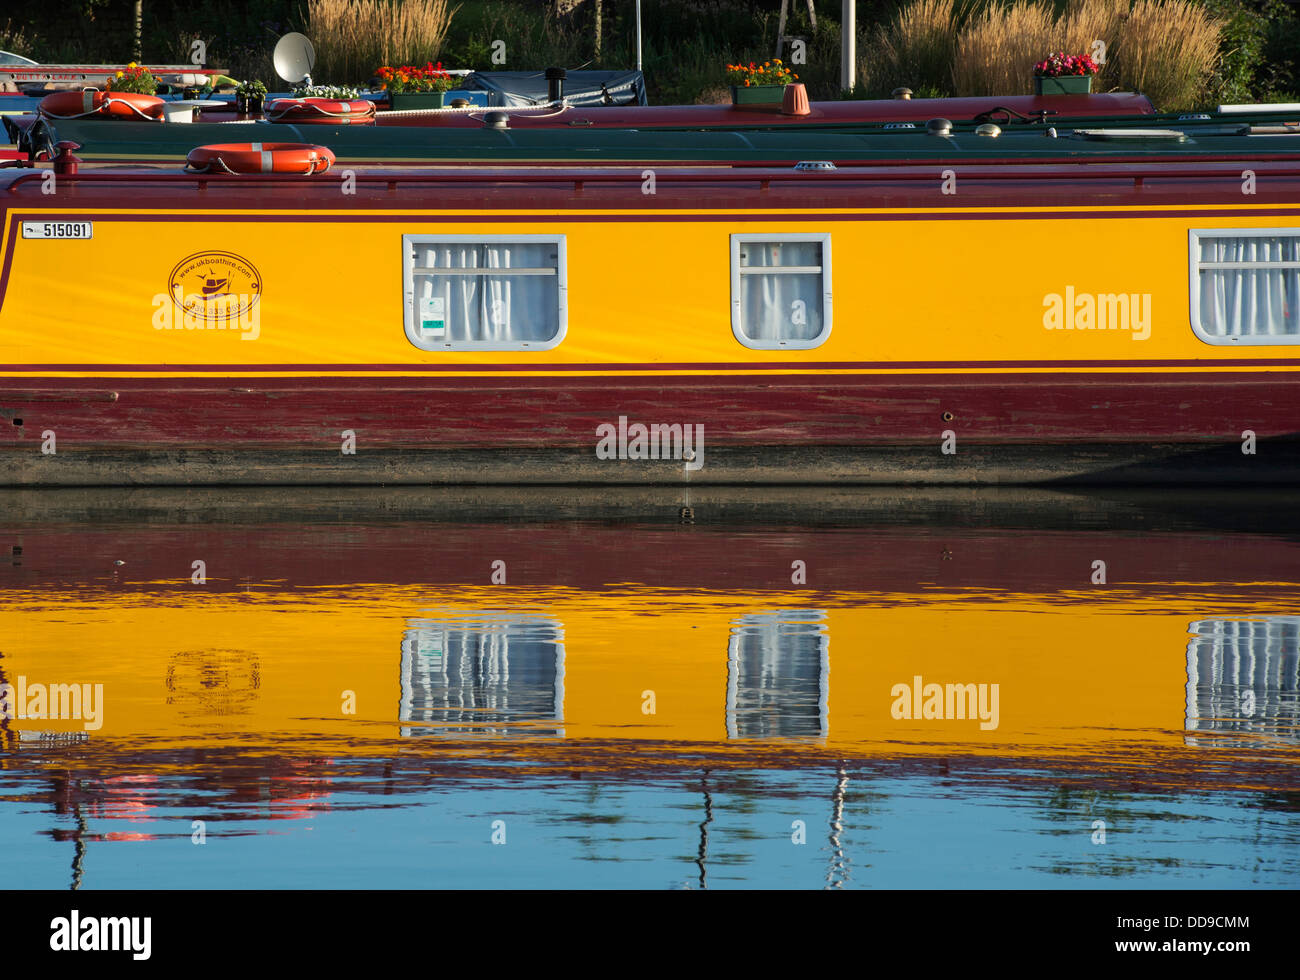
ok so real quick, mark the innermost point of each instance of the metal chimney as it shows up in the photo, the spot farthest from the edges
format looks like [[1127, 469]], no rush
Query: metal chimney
[[555, 84]]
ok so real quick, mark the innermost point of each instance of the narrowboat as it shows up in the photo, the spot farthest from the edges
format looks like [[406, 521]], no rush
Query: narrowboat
[[1100, 319]]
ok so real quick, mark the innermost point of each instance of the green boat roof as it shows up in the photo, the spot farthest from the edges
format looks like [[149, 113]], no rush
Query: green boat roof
[[1165, 135]]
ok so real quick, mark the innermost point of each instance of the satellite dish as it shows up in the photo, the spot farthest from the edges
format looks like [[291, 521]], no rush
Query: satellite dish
[[293, 58]]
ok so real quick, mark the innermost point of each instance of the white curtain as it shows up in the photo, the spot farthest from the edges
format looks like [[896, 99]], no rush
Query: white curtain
[[768, 310], [1250, 302], [495, 307]]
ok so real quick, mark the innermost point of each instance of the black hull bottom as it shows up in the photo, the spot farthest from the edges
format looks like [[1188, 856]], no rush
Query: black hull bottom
[[1274, 463]]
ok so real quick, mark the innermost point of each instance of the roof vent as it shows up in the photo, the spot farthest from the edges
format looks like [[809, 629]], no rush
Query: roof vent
[[901, 93], [939, 127], [496, 120], [805, 166], [900, 125], [1173, 135], [1261, 107], [988, 129]]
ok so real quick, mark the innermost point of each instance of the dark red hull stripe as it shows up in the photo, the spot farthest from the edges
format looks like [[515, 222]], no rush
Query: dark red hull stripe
[[845, 410]]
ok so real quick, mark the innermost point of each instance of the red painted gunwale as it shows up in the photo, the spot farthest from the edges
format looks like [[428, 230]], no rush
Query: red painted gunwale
[[1052, 184]]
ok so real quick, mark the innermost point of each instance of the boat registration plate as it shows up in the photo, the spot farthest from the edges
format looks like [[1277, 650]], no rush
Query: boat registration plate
[[58, 229], [433, 317]]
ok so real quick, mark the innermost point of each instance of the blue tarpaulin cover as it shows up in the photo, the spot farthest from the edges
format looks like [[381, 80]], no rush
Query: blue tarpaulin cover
[[519, 88]]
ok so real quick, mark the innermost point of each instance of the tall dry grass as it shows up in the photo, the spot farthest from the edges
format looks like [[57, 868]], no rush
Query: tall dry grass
[[1167, 50], [915, 47], [1085, 22], [354, 37], [997, 49]]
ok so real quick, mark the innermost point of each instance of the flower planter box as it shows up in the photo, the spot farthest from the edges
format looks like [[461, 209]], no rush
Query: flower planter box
[[416, 100], [757, 96], [1063, 85]]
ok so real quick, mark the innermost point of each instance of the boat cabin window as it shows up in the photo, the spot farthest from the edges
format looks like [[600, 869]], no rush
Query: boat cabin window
[[1245, 285], [781, 290], [485, 292]]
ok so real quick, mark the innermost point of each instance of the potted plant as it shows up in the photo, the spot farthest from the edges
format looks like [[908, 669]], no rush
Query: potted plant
[[409, 87], [339, 93], [759, 85], [249, 96], [1064, 74], [134, 78]]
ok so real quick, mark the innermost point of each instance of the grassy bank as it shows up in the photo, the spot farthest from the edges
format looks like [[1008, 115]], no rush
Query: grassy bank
[[1183, 53]]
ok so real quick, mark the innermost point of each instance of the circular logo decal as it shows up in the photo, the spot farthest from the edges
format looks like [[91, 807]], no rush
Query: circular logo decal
[[213, 286]]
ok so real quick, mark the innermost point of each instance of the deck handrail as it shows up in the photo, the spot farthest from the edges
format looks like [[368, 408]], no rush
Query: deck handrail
[[929, 171]]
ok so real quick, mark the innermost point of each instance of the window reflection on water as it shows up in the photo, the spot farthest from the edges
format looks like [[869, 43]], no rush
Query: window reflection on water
[[1242, 680], [778, 675], [496, 676]]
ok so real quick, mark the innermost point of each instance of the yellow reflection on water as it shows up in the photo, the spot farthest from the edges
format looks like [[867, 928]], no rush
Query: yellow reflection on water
[[372, 668]]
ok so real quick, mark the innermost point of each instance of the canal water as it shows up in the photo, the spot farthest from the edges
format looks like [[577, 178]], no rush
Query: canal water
[[664, 689]]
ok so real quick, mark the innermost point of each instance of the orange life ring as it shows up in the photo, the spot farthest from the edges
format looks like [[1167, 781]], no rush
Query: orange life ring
[[92, 102], [303, 159], [313, 111]]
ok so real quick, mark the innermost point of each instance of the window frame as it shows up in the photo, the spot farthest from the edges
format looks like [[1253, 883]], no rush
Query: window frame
[[739, 239], [1194, 239], [412, 241]]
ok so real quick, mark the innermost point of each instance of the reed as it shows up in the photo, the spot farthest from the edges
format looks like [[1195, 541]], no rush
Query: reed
[[915, 48], [352, 38], [1085, 22], [997, 49], [17, 39], [1167, 50]]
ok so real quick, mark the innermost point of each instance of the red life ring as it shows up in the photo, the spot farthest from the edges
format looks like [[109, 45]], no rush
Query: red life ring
[[313, 111], [91, 102], [303, 159]]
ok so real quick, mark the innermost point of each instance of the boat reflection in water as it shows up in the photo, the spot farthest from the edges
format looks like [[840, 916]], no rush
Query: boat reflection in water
[[337, 688]]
